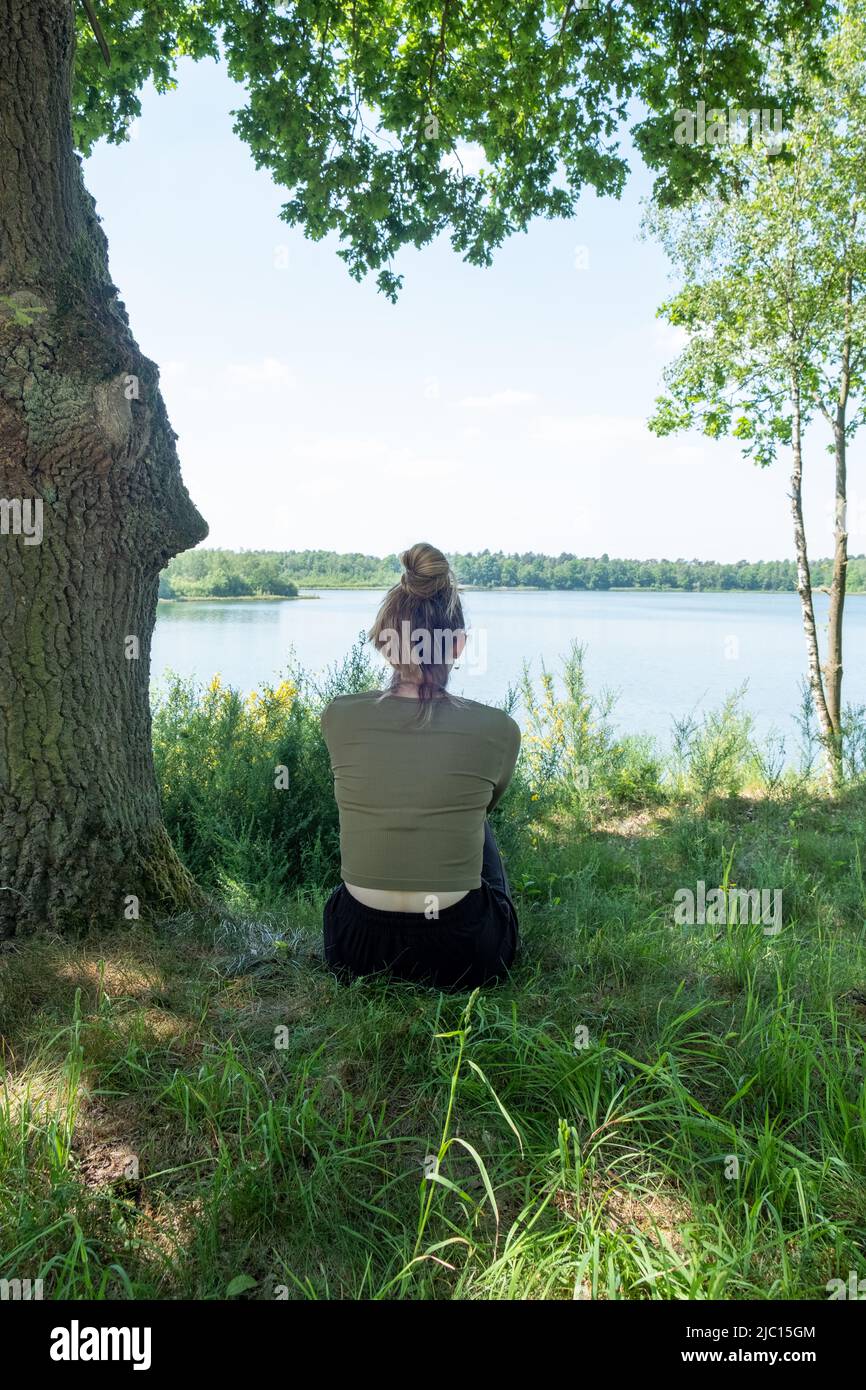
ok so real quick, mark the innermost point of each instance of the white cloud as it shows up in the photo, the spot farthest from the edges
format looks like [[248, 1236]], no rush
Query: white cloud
[[499, 398], [600, 431], [621, 441], [343, 462], [270, 371], [318, 488], [689, 453], [409, 466], [350, 451]]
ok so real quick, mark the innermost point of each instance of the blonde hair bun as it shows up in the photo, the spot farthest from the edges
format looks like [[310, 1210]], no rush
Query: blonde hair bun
[[426, 599], [426, 570]]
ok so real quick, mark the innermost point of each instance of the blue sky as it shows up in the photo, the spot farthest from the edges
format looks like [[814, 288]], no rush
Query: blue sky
[[500, 408]]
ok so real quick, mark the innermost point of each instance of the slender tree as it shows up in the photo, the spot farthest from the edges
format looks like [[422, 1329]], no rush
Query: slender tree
[[362, 112], [773, 299]]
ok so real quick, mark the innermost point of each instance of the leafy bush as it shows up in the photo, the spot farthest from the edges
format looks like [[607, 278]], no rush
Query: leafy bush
[[573, 756], [246, 782], [712, 756]]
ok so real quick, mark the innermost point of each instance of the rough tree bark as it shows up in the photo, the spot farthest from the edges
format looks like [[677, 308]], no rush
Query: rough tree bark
[[84, 432]]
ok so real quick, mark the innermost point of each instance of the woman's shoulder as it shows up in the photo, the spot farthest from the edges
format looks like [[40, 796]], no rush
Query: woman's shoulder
[[455, 710], [342, 705], [356, 698], [342, 701], [489, 717]]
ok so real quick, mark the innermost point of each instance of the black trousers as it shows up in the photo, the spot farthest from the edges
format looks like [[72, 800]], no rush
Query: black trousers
[[472, 943]]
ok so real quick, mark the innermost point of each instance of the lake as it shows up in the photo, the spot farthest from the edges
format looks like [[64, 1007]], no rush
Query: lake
[[663, 653]]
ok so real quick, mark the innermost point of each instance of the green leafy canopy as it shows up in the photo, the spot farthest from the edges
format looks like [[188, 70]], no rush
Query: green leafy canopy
[[362, 110]]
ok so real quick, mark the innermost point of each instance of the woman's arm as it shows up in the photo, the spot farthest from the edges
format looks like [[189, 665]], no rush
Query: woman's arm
[[509, 762]]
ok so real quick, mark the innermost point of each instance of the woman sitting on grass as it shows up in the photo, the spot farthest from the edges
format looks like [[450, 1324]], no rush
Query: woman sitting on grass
[[424, 893]]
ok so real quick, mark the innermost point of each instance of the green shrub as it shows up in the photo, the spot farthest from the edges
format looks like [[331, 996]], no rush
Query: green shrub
[[574, 759], [246, 783], [713, 756]]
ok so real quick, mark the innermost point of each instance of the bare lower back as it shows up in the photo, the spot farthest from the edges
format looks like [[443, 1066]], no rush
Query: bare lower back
[[401, 900]]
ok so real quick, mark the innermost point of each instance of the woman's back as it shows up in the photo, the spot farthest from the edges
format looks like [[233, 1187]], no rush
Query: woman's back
[[424, 895], [413, 792]]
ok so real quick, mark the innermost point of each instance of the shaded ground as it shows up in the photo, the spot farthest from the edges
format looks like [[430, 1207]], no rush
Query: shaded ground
[[180, 1112]]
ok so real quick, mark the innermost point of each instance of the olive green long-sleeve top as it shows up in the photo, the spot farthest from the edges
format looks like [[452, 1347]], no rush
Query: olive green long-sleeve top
[[413, 795]]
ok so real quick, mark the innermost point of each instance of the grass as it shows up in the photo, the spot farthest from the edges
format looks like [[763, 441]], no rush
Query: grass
[[644, 1111]]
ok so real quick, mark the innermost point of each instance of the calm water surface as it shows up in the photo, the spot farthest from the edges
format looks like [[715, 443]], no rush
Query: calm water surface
[[663, 654]]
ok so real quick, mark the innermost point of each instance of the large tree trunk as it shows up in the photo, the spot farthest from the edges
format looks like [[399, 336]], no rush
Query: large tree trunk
[[84, 433]]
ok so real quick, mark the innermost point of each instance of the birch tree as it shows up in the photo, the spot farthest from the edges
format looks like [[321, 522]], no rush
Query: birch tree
[[773, 299]]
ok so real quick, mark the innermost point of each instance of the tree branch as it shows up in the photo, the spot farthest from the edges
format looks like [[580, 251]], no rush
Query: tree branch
[[97, 32]]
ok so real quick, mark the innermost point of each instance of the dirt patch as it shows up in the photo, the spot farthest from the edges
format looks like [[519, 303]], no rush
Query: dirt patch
[[106, 1146], [106, 1165], [658, 1216]]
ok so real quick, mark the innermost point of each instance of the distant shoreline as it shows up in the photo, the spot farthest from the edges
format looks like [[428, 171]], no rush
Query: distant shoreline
[[477, 589], [540, 589], [266, 573], [234, 598]]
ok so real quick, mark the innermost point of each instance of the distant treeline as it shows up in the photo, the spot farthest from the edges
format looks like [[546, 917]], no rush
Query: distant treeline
[[226, 574], [241, 573]]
